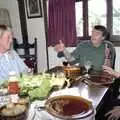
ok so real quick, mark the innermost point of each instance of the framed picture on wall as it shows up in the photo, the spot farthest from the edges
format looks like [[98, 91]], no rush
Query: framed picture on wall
[[33, 8]]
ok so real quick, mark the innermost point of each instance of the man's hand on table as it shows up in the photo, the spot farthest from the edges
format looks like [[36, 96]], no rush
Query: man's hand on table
[[114, 114]]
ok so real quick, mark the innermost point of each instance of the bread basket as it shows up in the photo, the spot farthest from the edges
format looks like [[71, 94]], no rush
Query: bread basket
[[10, 111], [72, 72]]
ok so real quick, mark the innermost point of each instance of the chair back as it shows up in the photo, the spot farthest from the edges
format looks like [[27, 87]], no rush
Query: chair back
[[28, 52]]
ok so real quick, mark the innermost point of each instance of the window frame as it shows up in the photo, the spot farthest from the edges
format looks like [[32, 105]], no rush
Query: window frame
[[115, 39]]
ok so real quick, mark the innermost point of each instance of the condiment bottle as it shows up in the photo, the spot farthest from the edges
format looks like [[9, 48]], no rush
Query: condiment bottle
[[13, 87]]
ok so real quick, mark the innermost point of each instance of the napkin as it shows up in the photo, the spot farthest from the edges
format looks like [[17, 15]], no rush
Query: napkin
[[35, 114]]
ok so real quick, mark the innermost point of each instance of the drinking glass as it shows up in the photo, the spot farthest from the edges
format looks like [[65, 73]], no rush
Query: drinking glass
[[87, 64], [64, 62]]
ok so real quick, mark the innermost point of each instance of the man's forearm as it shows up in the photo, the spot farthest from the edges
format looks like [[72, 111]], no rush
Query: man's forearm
[[68, 56], [60, 54]]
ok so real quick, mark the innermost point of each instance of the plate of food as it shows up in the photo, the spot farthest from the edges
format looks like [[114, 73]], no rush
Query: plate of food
[[99, 79], [69, 107], [15, 111], [41, 85]]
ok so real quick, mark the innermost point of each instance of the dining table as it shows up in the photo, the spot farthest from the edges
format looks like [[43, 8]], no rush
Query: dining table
[[93, 93]]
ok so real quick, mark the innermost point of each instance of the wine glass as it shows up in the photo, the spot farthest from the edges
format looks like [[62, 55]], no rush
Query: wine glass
[[64, 62], [87, 64]]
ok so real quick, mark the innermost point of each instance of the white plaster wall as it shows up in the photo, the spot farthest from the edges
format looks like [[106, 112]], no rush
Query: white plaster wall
[[36, 29]]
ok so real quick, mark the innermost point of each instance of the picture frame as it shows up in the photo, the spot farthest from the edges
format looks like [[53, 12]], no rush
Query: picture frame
[[33, 8]]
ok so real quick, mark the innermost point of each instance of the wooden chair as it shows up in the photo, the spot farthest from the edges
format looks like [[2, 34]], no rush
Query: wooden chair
[[30, 53]]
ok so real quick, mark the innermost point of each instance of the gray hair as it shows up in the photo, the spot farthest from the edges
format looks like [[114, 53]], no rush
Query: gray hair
[[4, 28]]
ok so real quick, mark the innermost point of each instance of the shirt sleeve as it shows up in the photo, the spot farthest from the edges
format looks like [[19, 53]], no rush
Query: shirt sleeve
[[22, 67], [76, 53], [60, 54], [113, 53]]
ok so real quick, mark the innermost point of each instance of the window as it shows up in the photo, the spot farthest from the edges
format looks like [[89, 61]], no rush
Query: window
[[96, 13], [116, 17], [104, 12], [79, 18]]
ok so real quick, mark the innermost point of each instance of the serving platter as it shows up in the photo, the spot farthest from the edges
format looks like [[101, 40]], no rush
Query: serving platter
[[69, 107], [99, 79], [15, 111]]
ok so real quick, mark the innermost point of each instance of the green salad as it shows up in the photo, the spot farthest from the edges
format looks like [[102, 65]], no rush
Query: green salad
[[39, 86]]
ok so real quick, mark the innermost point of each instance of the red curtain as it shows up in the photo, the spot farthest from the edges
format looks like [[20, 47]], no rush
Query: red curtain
[[61, 25]]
